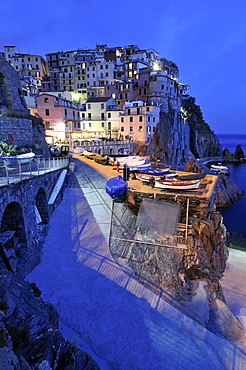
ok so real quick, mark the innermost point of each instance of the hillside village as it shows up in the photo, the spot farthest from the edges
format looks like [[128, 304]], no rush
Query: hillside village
[[104, 92], [120, 93]]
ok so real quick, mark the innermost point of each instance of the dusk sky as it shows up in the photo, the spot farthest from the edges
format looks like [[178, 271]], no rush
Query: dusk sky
[[206, 39]]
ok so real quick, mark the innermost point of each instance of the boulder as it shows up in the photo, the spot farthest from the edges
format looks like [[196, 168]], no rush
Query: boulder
[[227, 192]]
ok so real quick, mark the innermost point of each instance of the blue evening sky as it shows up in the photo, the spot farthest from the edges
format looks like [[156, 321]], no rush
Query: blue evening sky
[[206, 39]]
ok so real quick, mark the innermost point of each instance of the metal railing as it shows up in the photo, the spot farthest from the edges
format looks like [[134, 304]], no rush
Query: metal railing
[[13, 170]]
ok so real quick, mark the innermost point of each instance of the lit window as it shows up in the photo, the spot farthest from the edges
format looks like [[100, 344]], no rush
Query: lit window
[[140, 128]]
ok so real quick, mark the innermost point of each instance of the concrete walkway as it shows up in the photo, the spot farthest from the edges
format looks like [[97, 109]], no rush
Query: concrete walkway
[[122, 324]]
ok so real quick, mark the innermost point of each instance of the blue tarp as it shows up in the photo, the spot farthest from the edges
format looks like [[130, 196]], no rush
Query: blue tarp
[[116, 186]]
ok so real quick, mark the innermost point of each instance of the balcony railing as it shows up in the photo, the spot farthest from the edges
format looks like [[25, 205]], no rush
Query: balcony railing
[[94, 119], [13, 170]]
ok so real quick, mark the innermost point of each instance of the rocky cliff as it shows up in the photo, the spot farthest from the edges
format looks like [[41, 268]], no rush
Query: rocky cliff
[[15, 120], [182, 133], [203, 141], [29, 333]]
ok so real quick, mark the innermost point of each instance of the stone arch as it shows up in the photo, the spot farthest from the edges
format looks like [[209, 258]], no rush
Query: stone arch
[[13, 220], [111, 152], [42, 205]]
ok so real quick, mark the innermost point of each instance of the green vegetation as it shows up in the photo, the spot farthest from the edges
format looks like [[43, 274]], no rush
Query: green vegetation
[[7, 150], [232, 246]]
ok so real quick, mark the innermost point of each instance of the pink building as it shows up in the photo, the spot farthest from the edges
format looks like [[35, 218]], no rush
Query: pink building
[[62, 117], [138, 121]]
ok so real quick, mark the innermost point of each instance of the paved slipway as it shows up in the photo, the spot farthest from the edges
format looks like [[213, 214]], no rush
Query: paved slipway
[[105, 312]]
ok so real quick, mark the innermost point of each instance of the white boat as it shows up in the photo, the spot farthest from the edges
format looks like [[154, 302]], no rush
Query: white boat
[[88, 154], [25, 158], [219, 168], [22, 158], [120, 161], [177, 185], [78, 150], [148, 176], [138, 167]]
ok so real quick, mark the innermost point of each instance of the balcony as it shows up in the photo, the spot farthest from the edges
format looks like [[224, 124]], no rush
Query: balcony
[[94, 119]]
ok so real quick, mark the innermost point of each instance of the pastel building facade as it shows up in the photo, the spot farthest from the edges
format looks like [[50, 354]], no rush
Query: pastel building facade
[[61, 116], [30, 68], [100, 118], [138, 121]]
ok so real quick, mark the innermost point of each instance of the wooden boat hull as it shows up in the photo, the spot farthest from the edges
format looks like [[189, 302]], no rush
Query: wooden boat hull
[[193, 176], [177, 185]]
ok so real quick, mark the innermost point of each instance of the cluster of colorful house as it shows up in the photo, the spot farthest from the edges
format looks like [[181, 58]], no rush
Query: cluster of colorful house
[[105, 92]]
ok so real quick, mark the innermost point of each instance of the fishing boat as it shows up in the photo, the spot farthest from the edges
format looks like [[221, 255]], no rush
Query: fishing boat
[[26, 157], [193, 176], [21, 158], [88, 154], [219, 168], [155, 172], [130, 160], [177, 185], [138, 166], [100, 159], [147, 176]]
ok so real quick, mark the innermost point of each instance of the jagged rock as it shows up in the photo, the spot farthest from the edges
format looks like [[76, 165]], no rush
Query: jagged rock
[[227, 154], [192, 166], [171, 140], [32, 325], [238, 153], [203, 141], [8, 359], [227, 192], [180, 136], [221, 314]]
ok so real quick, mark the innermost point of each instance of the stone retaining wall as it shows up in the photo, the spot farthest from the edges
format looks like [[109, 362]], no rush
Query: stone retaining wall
[[20, 128]]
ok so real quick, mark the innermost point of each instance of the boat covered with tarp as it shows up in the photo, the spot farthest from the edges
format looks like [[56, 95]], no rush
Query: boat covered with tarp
[[116, 186]]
